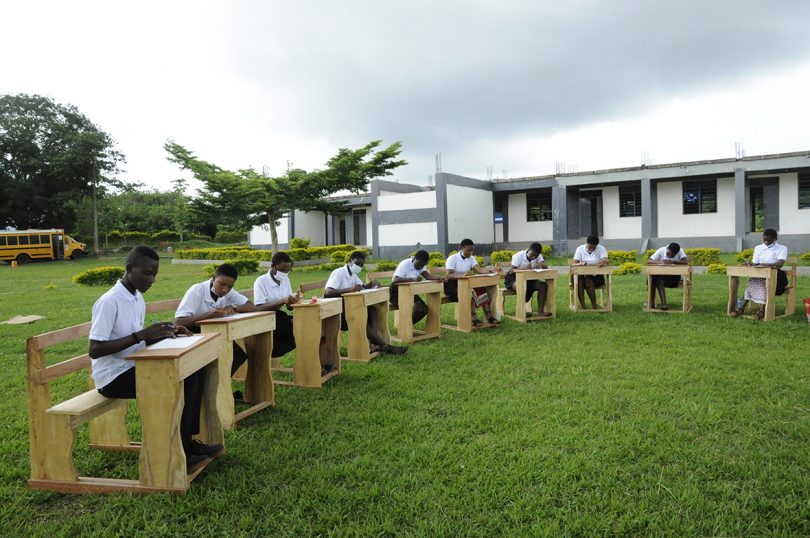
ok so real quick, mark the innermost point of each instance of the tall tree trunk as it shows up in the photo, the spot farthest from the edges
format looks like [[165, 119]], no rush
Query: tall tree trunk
[[95, 216], [273, 232]]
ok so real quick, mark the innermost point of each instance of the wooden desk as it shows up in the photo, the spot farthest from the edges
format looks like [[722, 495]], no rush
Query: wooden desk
[[257, 330], [590, 270], [356, 307], [522, 276], [159, 374], [433, 322], [734, 273], [311, 321], [463, 306], [684, 271]]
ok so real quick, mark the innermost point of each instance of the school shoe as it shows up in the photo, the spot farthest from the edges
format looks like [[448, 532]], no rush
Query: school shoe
[[326, 369], [395, 350], [198, 448], [195, 461]]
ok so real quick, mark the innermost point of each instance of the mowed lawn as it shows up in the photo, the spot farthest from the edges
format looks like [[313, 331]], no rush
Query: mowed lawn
[[593, 424]]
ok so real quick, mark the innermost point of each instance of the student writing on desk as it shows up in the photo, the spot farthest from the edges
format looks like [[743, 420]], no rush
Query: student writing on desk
[[272, 291], [345, 280], [768, 254], [459, 264], [117, 330], [591, 253], [413, 269], [531, 258], [671, 254]]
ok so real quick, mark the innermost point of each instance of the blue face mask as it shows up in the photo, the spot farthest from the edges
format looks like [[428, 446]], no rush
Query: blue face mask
[[355, 269]]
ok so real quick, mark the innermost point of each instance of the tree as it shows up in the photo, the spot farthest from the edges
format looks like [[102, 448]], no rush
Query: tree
[[248, 197], [51, 156]]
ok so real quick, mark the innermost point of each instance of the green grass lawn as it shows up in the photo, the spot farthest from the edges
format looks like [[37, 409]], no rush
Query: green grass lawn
[[610, 424]]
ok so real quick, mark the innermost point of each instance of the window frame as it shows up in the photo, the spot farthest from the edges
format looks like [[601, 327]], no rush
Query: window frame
[[803, 177], [699, 185], [636, 201], [541, 214]]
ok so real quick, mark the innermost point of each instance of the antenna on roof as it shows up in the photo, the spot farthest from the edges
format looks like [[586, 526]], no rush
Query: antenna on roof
[[489, 172], [505, 175], [559, 167], [438, 162], [739, 150], [430, 180]]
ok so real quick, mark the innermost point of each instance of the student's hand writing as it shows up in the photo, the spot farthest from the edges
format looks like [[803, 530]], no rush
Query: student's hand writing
[[157, 332], [182, 331], [357, 287], [603, 263], [293, 299]]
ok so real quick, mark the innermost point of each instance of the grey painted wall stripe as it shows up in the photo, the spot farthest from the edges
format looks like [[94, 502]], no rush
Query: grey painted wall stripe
[[407, 216]]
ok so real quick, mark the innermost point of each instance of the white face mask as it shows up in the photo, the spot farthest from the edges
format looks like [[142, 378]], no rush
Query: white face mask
[[281, 276], [355, 269]]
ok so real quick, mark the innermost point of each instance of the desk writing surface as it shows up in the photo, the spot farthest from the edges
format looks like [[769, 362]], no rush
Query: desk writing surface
[[163, 352], [233, 317], [667, 269]]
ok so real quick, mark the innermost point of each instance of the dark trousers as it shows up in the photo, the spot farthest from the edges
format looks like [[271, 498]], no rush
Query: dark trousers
[[531, 285], [420, 309], [283, 338], [123, 386], [371, 325]]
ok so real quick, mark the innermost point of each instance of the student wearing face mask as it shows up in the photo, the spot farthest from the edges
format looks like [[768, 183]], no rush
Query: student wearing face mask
[[459, 264], [345, 279], [272, 291], [413, 269], [768, 254], [211, 299]]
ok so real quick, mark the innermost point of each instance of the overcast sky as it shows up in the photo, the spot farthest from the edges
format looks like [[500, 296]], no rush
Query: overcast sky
[[518, 86]]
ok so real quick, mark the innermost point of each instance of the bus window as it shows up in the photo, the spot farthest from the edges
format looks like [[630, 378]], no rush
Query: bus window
[[12, 240], [44, 240], [23, 239], [2, 241]]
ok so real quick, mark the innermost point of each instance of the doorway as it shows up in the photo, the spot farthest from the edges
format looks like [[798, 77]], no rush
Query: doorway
[[590, 213]]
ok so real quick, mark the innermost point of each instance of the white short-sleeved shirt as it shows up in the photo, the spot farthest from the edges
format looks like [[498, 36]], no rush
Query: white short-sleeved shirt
[[661, 254], [459, 264], [116, 314], [769, 253], [521, 260], [198, 300], [341, 278], [266, 291], [590, 258], [406, 269]]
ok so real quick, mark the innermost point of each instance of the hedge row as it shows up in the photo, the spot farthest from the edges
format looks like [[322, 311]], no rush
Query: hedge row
[[297, 254], [99, 276], [243, 266], [117, 236]]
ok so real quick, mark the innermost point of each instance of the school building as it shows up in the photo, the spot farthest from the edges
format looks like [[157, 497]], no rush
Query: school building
[[723, 203]]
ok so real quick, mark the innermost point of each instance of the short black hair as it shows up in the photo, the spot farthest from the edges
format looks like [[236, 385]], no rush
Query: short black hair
[[421, 255], [226, 269], [466, 243], [280, 257], [592, 240], [770, 232], [536, 247], [357, 255], [674, 248], [139, 253]]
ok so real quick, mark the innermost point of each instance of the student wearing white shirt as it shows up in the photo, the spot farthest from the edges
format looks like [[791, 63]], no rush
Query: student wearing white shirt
[[768, 254], [272, 292], [413, 269], [531, 258], [117, 330], [214, 298], [344, 279], [671, 254], [591, 253], [459, 264]]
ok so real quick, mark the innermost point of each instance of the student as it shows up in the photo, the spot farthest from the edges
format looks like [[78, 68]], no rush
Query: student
[[459, 264], [344, 279], [117, 330], [271, 292], [591, 253], [413, 269], [671, 254], [768, 254], [531, 258], [214, 298]]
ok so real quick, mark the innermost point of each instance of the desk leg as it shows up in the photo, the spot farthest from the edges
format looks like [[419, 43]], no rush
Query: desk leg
[[307, 331], [574, 295], [433, 322], [551, 297], [160, 404], [520, 298], [733, 288], [329, 351], [405, 326], [464, 306], [357, 320], [381, 312], [259, 381], [609, 305], [770, 302], [650, 294]]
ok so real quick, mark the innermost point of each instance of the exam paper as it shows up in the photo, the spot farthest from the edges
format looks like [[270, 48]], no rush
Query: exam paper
[[181, 342]]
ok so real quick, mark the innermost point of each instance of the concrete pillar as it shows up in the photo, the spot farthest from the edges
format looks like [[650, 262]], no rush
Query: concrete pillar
[[330, 230], [648, 215], [559, 211], [739, 207], [441, 211]]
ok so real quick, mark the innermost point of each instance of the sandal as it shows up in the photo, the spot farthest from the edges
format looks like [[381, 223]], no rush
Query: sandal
[[476, 322], [737, 313], [493, 321], [760, 315]]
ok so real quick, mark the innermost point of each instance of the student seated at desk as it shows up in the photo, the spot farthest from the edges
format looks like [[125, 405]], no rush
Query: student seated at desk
[[413, 269], [671, 254], [459, 264], [345, 280], [272, 291], [768, 254], [117, 331], [591, 253], [531, 258], [214, 298]]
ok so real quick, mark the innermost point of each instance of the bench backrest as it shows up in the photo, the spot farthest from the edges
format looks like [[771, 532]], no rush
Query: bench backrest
[[375, 275], [309, 286], [793, 272]]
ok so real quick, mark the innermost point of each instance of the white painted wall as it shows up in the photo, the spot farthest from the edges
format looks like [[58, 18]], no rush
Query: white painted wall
[[369, 231], [673, 223], [260, 235], [408, 200], [499, 232], [792, 220], [311, 225], [522, 230], [469, 214], [614, 226], [393, 235]]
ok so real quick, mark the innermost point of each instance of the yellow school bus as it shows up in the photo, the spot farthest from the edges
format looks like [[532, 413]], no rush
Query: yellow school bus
[[23, 246]]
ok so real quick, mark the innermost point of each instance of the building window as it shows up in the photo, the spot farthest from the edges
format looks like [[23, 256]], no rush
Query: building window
[[538, 206], [630, 201], [498, 210], [700, 197], [804, 190]]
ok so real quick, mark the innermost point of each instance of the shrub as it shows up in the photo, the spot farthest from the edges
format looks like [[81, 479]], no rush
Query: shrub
[[329, 266], [99, 276], [244, 266], [716, 268], [299, 242], [297, 254], [502, 256], [618, 257], [386, 265], [649, 252], [340, 256], [628, 268], [199, 237], [805, 257], [137, 237], [231, 236], [436, 263], [115, 236], [165, 235], [703, 256], [746, 254]]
